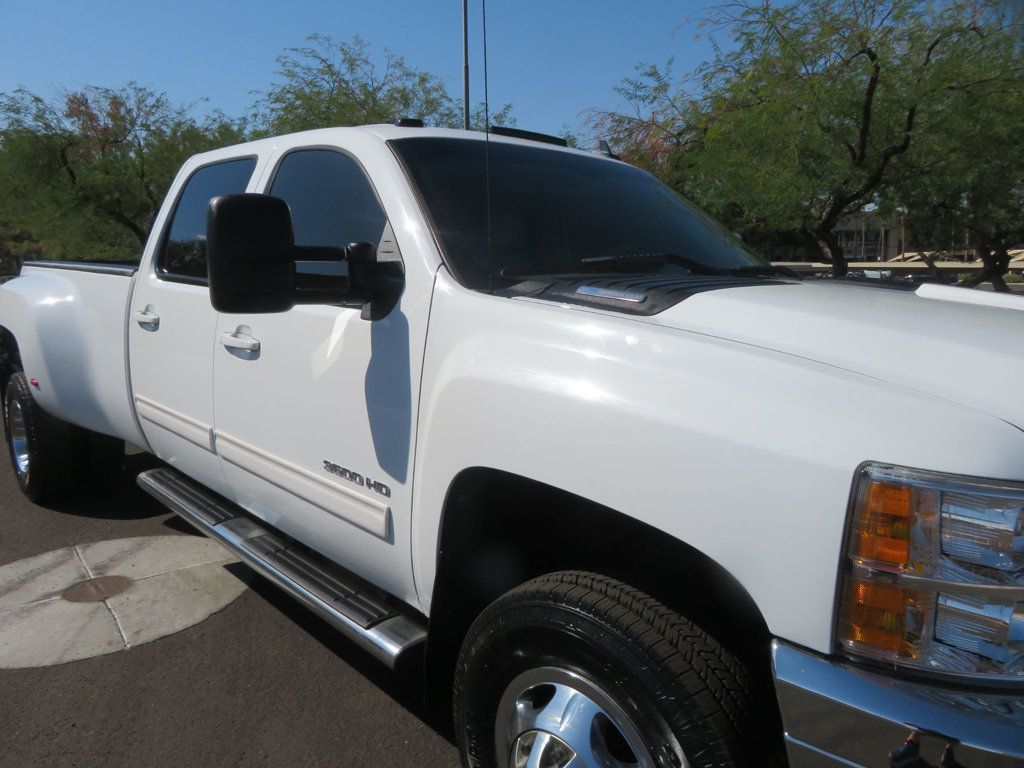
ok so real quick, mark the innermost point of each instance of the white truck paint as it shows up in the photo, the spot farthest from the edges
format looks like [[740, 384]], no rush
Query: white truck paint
[[734, 421], [71, 330]]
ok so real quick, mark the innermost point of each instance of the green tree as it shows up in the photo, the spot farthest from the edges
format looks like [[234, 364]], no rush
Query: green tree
[[326, 83], [82, 175], [963, 180], [15, 247], [807, 116]]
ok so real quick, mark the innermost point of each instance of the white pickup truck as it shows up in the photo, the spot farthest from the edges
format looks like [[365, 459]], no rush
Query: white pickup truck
[[519, 414]]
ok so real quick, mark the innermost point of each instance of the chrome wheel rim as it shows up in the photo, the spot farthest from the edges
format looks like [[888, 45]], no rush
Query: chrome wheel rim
[[19, 437], [553, 718]]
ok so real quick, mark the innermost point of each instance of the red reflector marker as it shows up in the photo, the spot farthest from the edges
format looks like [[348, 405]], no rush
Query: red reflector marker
[[34, 383]]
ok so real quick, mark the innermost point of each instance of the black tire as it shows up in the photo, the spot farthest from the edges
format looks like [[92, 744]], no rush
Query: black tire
[[50, 444], [676, 690]]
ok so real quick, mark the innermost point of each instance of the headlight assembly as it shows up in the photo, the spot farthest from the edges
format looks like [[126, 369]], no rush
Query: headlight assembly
[[935, 573]]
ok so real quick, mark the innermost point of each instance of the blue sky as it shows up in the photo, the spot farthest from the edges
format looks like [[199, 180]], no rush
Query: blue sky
[[552, 59]]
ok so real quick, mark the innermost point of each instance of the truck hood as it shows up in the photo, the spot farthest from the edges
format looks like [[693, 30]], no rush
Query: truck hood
[[932, 342]]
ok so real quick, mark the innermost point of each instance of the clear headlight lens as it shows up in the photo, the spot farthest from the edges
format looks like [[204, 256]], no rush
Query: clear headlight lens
[[935, 576]]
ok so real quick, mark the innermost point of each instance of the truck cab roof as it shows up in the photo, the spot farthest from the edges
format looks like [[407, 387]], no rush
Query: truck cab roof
[[386, 132]]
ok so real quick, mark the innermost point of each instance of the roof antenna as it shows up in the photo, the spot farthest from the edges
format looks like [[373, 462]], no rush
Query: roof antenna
[[487, 155], [604, 149], [465, 64]]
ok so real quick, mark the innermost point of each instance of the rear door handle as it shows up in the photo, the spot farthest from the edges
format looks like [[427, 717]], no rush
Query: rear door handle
[[238, 340], [146, 318]]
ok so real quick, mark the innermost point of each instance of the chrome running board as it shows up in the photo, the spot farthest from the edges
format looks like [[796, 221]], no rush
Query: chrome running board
[[361, 613]]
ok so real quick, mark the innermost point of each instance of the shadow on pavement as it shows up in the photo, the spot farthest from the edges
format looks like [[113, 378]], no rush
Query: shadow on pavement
[[122, 499], [178, 525], [404, 686]]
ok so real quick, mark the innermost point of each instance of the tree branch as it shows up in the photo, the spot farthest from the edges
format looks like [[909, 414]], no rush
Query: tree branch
[[126, 222], [867, 106], [829, 131]]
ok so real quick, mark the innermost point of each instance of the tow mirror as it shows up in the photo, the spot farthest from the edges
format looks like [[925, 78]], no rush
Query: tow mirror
[[251, 255]]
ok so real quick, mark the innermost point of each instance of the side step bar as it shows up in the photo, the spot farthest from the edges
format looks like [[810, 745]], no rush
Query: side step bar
[[330, 592]]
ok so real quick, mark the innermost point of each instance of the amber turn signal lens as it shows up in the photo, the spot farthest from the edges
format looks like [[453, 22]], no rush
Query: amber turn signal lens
[[877, 617], [880, 618], [889, 499], [882, 524]]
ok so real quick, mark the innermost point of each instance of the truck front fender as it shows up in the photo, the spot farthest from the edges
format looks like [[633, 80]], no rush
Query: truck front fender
[[744, 454]]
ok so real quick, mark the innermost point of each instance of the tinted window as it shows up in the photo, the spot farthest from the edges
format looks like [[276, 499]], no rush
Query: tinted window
[[331, 199], [184, 250], [552, 209]]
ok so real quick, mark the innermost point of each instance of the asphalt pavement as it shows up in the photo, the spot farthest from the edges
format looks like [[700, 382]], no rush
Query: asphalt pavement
[[262, 682]]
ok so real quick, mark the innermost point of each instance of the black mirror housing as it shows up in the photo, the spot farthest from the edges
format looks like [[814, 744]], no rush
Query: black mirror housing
[[249, 243]]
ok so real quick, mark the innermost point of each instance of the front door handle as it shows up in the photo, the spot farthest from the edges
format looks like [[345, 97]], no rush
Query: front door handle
[[146, 318], [238, 340]]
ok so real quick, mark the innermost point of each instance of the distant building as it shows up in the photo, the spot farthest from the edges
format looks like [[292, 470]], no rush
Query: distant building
[[863, 236], [866, 236]]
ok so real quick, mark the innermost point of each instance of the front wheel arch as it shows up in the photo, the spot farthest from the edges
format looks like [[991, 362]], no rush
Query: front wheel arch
[[488, 545]]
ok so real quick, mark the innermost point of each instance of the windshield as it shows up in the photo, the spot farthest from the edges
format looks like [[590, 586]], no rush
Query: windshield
[[554, 211]]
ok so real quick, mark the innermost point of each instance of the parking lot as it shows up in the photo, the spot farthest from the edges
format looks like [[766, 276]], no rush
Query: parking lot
[[261, 682]]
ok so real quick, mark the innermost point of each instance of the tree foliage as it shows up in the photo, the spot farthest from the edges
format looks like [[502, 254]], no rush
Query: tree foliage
[[15, 247], [962, 183], [83, 175], [813, 110], [327, 83]]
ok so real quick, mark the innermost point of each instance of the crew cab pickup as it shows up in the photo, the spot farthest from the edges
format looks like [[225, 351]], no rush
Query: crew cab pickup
[[521, 415]]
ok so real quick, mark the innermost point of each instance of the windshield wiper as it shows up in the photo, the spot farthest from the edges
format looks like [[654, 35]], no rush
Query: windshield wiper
[[655, 258], [767, 270], [591, 263]]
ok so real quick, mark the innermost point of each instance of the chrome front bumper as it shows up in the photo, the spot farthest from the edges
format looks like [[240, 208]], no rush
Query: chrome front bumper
[[837, 714]]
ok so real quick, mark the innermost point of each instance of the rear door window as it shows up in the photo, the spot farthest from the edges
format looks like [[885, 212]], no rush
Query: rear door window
[[331, 199]]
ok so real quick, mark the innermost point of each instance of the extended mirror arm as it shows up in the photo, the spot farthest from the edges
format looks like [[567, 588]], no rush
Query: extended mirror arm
[[373, 285], [318, 253]]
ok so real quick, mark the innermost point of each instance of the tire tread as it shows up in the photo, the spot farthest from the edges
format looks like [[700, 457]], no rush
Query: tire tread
[[681, 652]]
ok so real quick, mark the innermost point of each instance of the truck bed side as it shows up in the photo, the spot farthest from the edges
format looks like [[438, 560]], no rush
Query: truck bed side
[[68, 320]]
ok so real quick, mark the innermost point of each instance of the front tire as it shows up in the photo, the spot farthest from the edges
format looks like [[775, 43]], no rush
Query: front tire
[[574, 669]]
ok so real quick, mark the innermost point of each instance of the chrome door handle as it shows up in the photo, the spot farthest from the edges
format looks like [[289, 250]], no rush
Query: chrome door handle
[[146, 319], [240, 341]]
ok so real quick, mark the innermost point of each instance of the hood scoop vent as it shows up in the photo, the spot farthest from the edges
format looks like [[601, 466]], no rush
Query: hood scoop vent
[[619, 294], [632, 295]]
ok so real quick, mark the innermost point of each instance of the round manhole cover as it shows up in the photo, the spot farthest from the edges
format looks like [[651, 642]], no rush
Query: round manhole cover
[[97, 590], [107, 596]]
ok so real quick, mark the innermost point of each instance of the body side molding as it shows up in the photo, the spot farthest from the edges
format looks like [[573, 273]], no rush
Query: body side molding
[[193, 430], [339, 500]]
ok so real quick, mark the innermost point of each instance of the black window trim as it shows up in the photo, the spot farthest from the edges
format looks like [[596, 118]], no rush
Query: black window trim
[[158, 257]]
